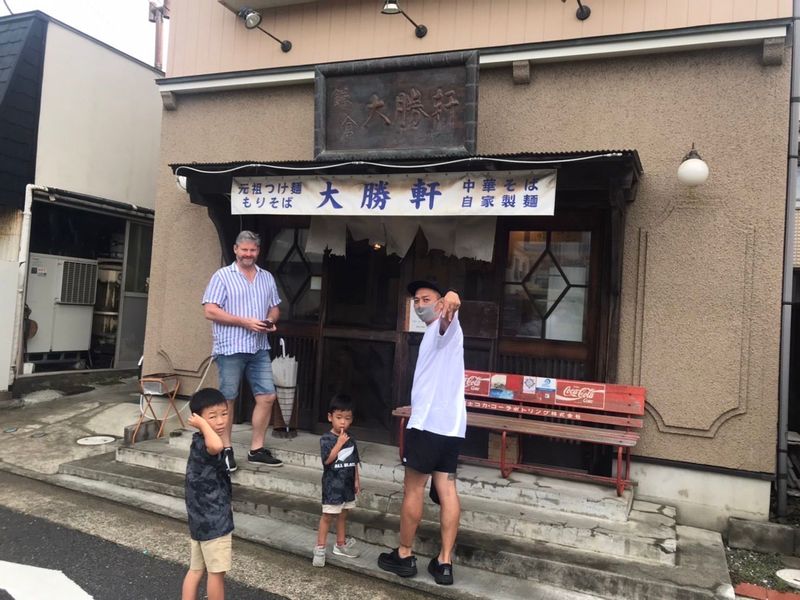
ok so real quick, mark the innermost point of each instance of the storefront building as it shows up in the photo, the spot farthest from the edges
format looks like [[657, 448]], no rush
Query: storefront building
[[633, 277]]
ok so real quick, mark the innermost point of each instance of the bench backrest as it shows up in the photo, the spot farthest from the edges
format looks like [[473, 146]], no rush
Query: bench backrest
[[546, 397]]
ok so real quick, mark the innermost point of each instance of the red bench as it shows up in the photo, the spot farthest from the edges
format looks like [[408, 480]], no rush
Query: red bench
[[596, 413]]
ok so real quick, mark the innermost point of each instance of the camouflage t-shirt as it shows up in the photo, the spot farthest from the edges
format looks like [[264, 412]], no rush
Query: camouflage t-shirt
[[208, 493], [339, 477]]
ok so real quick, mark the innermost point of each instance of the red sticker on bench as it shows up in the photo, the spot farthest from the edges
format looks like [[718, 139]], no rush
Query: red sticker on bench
[[579, 393], [476, 382]]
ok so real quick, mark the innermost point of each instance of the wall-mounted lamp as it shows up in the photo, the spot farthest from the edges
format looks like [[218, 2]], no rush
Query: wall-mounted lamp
[[693, 170], [393, 8], [252, 20], [583, 11]]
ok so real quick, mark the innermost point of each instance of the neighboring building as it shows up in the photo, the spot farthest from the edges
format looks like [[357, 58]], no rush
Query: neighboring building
[[80, 121], [635, 279]]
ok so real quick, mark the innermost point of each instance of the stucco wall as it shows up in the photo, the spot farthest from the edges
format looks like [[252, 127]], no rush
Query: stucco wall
[[100, 121], [276, 123], [702, 268]]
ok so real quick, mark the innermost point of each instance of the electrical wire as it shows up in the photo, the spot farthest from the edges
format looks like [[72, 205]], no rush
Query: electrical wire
[[8, 8], [393, 166]]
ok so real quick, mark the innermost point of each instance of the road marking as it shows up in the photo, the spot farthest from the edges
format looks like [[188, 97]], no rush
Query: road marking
[[23, 582]]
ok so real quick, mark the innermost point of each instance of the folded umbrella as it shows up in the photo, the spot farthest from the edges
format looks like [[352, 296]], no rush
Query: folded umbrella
[[284, 373]]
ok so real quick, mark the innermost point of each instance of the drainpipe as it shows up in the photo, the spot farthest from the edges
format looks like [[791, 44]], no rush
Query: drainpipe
[[22, 279], [788, 259]]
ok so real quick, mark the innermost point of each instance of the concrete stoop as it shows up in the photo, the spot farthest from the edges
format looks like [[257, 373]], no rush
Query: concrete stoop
[[381, 462], [648, 535], [487, 566]]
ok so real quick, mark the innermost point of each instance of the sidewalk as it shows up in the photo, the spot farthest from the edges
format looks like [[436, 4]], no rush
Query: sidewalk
[[36, 438]]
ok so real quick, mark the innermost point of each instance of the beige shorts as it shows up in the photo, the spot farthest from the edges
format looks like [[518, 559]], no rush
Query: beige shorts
[[213, 556], [335, 509]]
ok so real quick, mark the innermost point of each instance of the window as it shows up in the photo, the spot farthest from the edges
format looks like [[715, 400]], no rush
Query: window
[[546, 285], [298, 275]]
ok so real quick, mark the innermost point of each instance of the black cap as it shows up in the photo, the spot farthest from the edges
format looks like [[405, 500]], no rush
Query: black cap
[[422, 283]]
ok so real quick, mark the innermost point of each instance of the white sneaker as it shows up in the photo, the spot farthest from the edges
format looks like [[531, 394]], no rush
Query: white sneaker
[[319, 556], [346, 551]]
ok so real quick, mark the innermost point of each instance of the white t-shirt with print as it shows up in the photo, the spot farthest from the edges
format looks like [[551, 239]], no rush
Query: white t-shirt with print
[[437, 394]]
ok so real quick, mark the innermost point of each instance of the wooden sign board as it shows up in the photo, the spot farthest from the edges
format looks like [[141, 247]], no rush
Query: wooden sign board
[[397, 108]]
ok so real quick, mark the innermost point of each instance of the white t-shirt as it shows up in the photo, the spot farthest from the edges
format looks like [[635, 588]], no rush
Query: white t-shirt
[[437, 394]]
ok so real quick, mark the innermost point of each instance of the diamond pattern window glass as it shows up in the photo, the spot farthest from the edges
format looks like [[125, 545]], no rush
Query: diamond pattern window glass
[[298, 275], [547, 276]]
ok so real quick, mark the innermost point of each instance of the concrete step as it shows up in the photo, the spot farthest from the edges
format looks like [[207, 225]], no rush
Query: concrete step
[[648, 535], [382, 462], [487, 566]]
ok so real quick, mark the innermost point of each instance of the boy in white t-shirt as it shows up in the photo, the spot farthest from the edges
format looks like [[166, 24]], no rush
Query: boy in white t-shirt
[[435, 431]]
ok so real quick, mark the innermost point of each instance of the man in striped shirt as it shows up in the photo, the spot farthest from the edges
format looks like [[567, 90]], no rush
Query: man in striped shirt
[[241, 301]]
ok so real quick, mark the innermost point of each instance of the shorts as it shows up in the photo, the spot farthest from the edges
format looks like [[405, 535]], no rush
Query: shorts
[[256, 367], [335, 509], [427, 452], [213, 556]]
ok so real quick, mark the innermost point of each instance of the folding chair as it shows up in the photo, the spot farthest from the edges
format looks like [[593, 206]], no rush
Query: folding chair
[[163, 385]]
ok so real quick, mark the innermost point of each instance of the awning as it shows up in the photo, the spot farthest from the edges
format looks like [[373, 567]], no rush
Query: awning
[[94, 204], [464, 234]]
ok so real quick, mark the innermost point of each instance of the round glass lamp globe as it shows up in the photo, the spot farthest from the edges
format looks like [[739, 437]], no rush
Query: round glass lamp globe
[[252, 20], [693, 172]]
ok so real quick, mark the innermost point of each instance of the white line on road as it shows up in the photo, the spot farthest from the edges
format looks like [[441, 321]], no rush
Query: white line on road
[[23, 582]]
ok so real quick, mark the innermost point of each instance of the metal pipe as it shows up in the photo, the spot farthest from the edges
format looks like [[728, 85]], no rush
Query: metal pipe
[[22, 280], [788, 259]]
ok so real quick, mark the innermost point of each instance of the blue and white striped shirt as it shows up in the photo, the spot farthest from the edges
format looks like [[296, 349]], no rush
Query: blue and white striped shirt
[[230, 289]]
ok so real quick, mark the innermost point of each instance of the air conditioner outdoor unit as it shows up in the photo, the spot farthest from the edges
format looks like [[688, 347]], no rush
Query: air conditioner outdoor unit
[[61, 296]]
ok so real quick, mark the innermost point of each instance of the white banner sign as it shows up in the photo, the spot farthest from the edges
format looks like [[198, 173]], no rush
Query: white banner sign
[[495, 193]]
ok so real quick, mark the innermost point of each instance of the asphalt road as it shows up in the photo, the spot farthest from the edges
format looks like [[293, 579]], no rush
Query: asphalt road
[[115, 552], [103, 569]]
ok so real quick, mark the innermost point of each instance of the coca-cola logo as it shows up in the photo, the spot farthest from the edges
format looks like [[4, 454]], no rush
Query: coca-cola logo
[[578, 393], [473, 381]]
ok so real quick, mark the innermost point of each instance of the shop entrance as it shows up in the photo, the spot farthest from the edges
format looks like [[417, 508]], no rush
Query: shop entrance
[[534, 309], [545, 304]]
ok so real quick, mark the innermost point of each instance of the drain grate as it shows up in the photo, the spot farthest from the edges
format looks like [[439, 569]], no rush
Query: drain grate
[[95, 440]]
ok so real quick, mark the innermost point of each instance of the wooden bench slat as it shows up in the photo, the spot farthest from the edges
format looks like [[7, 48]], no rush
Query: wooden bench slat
[[553, 413], [564, 393], [611, 437]]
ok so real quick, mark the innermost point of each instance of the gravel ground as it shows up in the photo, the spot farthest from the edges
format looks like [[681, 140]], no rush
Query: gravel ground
[[747, 566]]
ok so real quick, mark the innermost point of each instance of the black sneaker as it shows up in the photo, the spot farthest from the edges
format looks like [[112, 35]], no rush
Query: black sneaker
[[404, 567], [230, 462], [441, 572], [264, 457]]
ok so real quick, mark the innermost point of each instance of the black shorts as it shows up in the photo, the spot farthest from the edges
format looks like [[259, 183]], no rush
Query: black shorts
[[427, 452]]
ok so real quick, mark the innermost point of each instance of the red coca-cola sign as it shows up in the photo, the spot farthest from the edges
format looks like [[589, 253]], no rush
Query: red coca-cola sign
[[477, 382], [579, 393]]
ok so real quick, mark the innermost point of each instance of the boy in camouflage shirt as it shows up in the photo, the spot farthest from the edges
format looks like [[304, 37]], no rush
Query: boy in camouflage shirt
[[208, 497]]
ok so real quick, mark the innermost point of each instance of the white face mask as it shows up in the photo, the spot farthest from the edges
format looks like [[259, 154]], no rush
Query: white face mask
[[426, 313]]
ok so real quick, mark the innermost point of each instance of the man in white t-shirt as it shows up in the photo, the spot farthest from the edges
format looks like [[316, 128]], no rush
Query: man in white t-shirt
[[435, 431]]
